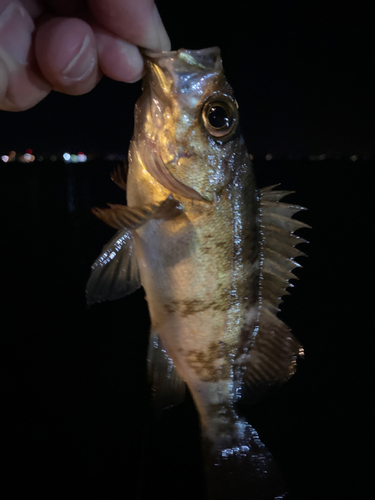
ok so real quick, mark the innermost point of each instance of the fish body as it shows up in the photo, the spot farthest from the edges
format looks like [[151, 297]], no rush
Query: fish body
[[214, 255]]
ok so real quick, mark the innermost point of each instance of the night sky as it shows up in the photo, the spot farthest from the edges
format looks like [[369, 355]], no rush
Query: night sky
[[302, 74]]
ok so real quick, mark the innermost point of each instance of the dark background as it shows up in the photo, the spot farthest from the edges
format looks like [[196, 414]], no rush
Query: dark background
[[78, 403]]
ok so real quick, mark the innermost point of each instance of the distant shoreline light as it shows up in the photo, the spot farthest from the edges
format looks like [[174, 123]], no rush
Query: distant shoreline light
[[80, 157], [74, 158]]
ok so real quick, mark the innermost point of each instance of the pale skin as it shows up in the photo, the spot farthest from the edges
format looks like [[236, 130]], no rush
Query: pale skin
[[67, 45]]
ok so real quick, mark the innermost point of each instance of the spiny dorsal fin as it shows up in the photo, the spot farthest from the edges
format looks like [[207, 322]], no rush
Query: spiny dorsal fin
[[271, 358], [278, 242]]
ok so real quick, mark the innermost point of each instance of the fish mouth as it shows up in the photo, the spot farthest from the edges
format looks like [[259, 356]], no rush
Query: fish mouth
[[158, 169], [183, 60], [156, 55], [151, 54]]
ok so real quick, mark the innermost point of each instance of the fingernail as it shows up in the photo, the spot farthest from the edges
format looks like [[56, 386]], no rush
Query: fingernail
[[82, 64], [16, 27], [157, 38]]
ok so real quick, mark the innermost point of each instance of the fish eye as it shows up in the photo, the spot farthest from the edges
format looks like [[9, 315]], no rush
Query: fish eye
[[220, 117]]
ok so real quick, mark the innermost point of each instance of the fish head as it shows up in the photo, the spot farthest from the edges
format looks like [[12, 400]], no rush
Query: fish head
[[186, 123]]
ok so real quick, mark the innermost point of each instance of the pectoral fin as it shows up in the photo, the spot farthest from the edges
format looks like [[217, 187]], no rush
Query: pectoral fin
[[121, 216], [115, 272]]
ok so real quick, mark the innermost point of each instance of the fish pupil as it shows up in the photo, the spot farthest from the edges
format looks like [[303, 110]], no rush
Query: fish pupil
[[218, 117]]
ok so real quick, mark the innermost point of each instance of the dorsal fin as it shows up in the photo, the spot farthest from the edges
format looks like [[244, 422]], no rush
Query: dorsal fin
[[270, 357], [278, 243]]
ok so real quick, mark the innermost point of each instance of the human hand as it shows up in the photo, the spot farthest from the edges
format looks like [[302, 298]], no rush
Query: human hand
[[66, 45]]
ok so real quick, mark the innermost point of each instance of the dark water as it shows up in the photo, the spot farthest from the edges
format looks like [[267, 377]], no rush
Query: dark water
[[79, 420]]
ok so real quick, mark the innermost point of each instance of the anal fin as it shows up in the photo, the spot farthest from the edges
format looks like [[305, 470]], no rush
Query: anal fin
[[168, 387]]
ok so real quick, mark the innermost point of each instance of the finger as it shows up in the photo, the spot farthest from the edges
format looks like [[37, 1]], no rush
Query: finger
[[66, 53], [16, 28], [25, 89], [137, 21], [24, 84], [118, 59]]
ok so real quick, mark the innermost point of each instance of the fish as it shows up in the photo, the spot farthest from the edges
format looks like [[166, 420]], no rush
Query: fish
[[214, 255]]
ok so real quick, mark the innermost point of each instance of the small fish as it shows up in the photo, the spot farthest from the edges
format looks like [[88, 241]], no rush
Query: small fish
[[214, 255]]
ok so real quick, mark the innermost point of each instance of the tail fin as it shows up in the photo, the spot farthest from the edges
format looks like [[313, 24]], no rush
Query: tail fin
[[240, 466]]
